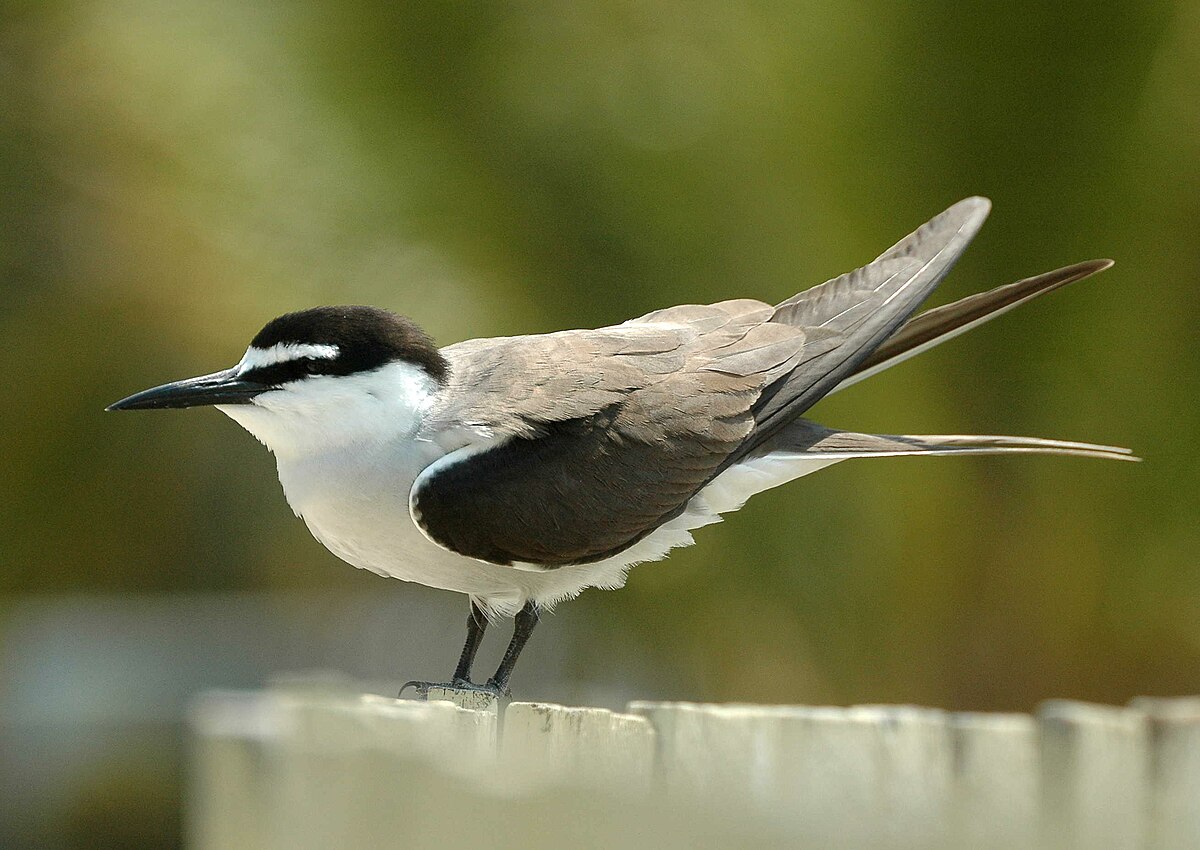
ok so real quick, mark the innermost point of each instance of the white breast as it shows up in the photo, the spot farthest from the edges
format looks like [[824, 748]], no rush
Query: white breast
[[347, 454], [356, 502]]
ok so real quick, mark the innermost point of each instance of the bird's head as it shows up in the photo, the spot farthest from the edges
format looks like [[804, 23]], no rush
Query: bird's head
[[318, 378]]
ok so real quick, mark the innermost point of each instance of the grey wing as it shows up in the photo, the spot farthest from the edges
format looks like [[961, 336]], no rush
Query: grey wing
[[858, 311], [602, 436]]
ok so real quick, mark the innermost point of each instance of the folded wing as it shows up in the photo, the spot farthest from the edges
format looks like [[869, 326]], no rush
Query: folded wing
[[581, 443]]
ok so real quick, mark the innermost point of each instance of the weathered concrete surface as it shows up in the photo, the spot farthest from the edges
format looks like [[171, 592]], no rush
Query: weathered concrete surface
[[296, 768]]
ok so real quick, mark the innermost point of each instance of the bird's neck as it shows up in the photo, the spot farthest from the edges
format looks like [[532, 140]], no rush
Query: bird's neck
[[331, 413]]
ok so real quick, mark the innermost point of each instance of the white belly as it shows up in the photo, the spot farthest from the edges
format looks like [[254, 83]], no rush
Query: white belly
[[355, 502]]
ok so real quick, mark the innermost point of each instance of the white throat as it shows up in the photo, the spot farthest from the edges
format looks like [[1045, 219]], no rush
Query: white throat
[[328, 412]]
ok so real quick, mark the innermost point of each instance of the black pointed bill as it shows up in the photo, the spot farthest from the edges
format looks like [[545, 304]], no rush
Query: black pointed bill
[[224, 387]]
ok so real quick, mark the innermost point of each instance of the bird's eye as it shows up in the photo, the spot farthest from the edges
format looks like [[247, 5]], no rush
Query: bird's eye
[[310, 365]]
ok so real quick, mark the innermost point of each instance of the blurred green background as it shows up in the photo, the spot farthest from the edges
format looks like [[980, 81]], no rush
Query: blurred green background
[[174, 174]]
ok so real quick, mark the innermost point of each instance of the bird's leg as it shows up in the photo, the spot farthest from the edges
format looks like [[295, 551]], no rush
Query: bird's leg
[[476, 626], [523, 625]]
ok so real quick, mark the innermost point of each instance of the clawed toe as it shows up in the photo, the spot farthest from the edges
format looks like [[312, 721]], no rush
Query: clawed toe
[[422, 688]]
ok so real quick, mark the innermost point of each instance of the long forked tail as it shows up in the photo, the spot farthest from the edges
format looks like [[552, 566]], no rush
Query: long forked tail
[[804, 447], [827, 443]]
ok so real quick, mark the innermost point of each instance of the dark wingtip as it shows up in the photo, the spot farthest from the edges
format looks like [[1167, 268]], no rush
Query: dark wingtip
[[1094, 266], [1078, 271]]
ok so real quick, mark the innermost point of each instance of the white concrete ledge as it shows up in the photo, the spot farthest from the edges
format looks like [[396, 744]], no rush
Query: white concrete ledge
[[297, 768]]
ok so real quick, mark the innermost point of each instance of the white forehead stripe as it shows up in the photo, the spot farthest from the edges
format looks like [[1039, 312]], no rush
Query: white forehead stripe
[[283, 352]]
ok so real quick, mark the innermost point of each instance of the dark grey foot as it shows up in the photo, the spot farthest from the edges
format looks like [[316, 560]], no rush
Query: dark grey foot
[[423, 688]]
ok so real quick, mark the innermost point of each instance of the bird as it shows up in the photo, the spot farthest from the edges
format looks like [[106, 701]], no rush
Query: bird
[[522, 470]]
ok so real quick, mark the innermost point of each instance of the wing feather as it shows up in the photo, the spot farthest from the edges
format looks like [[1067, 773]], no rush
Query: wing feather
[[598, 437], [933, 327]]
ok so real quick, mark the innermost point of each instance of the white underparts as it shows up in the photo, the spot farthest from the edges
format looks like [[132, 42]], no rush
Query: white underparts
[[348, 462], [349, 453]]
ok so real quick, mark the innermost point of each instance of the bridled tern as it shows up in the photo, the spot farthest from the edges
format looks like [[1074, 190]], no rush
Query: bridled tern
[[522, 470]]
